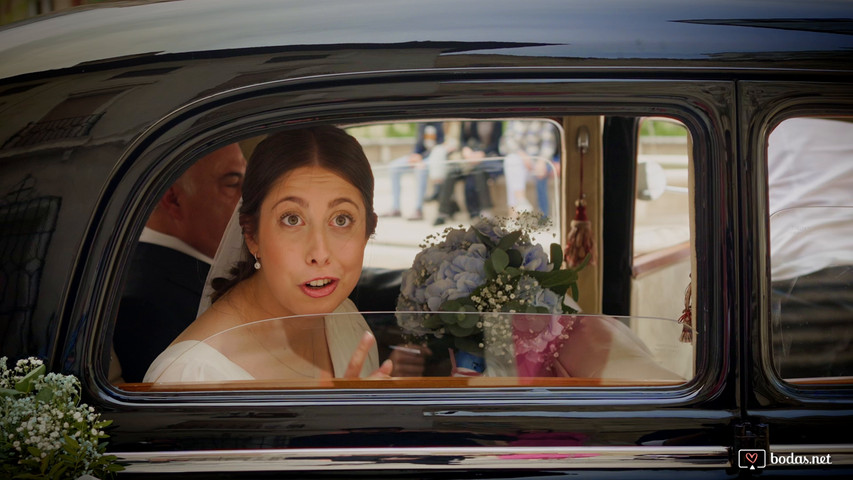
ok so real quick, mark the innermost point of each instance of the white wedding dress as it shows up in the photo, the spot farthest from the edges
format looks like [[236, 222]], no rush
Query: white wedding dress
[[195, 361]]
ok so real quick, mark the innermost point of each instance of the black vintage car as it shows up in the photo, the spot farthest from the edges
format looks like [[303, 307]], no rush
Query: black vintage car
[[664, 112]]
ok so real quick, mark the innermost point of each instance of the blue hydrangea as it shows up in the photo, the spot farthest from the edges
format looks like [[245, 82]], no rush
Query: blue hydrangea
[[457, 276], [534, 258], [493, 231], [548, 299], [532, 292]]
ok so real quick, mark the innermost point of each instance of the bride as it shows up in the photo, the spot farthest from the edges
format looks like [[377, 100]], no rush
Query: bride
[[306, 215]]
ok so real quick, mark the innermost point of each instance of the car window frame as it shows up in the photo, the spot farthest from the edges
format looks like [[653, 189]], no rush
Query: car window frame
[[154, 163], [769, 103]]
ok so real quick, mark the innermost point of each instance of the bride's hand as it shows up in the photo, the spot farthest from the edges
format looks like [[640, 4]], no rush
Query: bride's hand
[[358, 358]]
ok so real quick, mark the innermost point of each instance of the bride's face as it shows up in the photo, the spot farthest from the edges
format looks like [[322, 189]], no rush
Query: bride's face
[[310, 240]]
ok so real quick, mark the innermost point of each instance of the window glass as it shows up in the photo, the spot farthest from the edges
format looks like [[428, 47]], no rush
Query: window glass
[[662, 209], [313, 351], [810, 177], [472, 219], [662, 260]]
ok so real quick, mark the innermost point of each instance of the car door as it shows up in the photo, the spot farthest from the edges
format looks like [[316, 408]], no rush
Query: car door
[[535, 427], [796, 387]]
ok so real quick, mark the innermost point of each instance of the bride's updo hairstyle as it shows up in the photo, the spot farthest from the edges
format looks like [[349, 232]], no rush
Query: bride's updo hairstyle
[[324, 146]]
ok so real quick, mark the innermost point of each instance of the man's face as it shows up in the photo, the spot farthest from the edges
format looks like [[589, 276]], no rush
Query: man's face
[[208, 193]]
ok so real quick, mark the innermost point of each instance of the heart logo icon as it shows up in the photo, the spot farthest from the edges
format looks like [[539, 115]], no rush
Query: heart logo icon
[[751, 457]]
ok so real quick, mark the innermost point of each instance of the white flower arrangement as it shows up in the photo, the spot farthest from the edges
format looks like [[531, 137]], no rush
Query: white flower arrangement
[[45, 432], [493, 266]]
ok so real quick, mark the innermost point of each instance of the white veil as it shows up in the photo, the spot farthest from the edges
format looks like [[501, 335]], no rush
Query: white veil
[[230, 252]]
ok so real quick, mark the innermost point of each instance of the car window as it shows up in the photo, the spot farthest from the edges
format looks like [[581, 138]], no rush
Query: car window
[[810, 177], [461, 177], [662, 236]]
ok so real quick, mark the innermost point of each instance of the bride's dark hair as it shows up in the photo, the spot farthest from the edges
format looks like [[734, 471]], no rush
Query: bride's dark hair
[[325, 146]]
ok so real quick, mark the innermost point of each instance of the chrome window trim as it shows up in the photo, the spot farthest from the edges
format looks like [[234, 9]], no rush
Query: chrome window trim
[[431, 458]]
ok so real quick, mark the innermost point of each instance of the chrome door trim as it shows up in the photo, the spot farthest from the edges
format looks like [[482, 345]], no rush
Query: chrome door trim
[[468, 458]]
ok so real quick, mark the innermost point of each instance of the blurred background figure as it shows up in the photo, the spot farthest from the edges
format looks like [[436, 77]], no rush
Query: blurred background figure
[[479, 142], [428, 150], [172, 259], [529, 147]]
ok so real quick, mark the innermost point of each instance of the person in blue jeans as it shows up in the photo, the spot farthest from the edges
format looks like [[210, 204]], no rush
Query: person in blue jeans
[[479, 142], [542, 195], [529, 147], [429, 145]]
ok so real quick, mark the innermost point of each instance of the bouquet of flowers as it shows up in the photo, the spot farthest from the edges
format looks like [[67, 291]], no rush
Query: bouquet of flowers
[[45, 432], [493, 266]]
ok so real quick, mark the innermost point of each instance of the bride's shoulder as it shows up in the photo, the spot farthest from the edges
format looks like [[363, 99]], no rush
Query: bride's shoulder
[[214, 320]]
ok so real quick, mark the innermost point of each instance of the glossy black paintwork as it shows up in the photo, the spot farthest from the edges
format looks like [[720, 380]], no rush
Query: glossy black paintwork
[[716, 34], [185, 76]]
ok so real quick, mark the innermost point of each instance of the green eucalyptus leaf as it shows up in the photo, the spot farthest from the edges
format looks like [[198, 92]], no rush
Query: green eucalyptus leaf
[[45, 394], [499, 260], [513, 305], [468, 321], [509, 240], [59, 469], [447, 318], [26, 384], [556, 255], [584, 263], [8, 392], [432, 322], [45, 462], [515, 258], [489, 270], [485, 239], [71, 444], [458, 331], [512, 272], [451, 306], [558, 278]]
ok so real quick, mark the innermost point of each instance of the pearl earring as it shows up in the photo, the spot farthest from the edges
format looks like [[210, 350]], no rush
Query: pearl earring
[[257, 263]]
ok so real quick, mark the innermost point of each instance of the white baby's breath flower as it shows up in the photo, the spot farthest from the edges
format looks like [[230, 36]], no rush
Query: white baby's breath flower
[[43, 421]]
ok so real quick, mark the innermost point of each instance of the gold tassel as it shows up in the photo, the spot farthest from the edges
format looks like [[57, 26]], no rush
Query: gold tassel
[[686, 318], [579, 242]]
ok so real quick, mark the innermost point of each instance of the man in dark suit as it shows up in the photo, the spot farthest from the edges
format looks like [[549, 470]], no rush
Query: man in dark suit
[[172, 258]]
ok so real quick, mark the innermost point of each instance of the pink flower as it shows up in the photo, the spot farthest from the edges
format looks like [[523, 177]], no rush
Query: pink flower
[[537, 338]]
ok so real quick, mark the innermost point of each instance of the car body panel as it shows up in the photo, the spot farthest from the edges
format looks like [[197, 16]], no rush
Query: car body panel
[[153, 86]]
